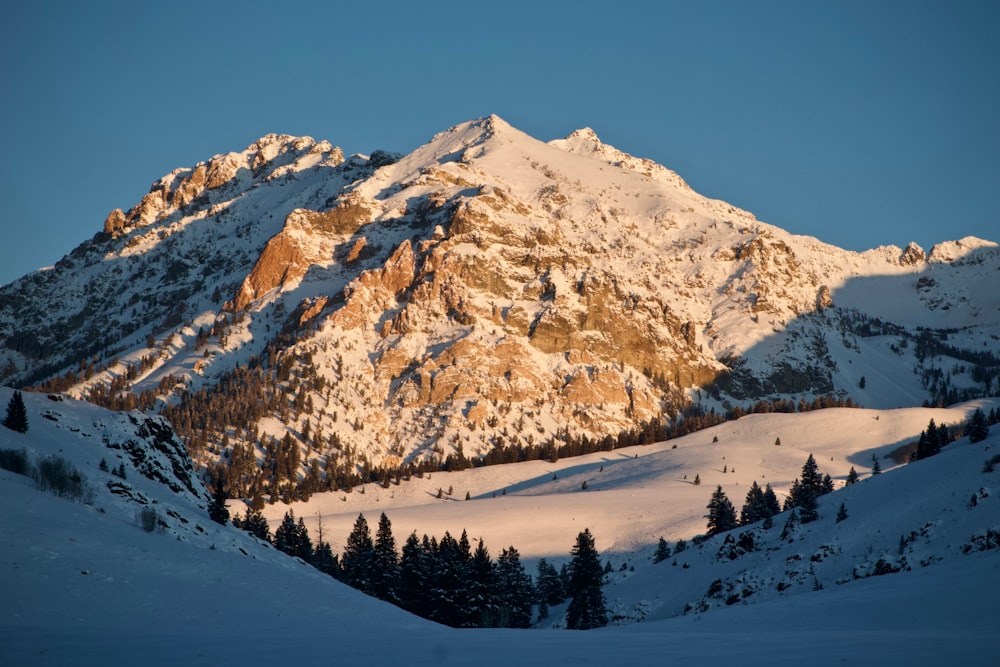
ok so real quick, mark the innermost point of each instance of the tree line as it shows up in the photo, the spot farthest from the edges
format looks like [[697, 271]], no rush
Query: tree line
[[447, 580]]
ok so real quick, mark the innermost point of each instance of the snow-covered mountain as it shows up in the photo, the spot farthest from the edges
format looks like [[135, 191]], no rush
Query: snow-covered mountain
[[908, 576], [488, 292]]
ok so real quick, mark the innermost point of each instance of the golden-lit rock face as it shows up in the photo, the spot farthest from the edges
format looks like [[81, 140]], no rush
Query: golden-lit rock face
[[485, 290], [472, 321], [307, 238]]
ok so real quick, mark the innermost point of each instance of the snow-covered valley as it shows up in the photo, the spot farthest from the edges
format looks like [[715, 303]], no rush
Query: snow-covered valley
[[85, 584]]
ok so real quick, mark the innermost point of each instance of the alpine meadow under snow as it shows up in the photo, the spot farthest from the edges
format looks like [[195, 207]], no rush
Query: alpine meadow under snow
[[519, 340]]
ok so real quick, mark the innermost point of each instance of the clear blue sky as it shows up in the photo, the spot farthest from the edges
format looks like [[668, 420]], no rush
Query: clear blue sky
[[861, 123]]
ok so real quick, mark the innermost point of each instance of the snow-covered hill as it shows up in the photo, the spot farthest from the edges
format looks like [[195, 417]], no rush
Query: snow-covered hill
[[486, 291], [85, 584]]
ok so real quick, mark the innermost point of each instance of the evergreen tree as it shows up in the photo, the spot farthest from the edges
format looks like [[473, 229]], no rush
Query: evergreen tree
[[217, 510], [841, 513], [811, 477], [323, 558], [415, 574], [549, 584], [303, 545], [326, 561], [358, 559], [808, 506], [852, 477], [662, 551], [255, 524], [721, 513], [386, 571], [286, 537], [450, 580], [482, 609], [977, 429], [515, 590], [791, 523], [876, 468], [806, 490], [17, 414], [930, 442], [771, 502], [827, 485], [587, 607], [756, 507], [465, 547]]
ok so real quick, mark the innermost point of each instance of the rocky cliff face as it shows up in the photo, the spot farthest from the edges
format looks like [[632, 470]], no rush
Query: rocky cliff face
[[486, 289]]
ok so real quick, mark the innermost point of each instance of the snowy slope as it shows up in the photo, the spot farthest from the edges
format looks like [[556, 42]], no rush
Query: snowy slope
[[84, 585]]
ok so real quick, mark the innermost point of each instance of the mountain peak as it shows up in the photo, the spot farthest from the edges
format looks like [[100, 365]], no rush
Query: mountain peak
[[484, 276], [950, 251], [583, 142], [584, 134]]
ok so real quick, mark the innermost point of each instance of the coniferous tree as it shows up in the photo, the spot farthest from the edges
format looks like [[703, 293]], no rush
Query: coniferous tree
[[386, 570], [756, 507], [806, 490], [827, 485], [549, 584], [977, 428], [323, 558], [930, 442], [876, 468], [852, 477], [515, 590], [482, 609], [811, 477], [465, 547], [415, 576], [790, 524], [254, 523], [449, 591], [808, 506], [286, 537], [217, 510], [358, 559], [17, 414], [841, 513], [662, 551], [721, 513], [587, 607], [771, 501], [304, 549]]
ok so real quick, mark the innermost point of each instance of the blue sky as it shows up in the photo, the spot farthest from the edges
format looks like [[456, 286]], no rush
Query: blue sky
[[860, 123]]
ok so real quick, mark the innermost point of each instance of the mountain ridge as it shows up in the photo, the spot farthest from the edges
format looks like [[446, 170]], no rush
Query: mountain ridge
[[487, 290]]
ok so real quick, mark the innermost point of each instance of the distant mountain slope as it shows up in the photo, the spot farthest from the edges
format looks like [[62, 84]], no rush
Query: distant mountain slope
[[85, 584], [487, 294]]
